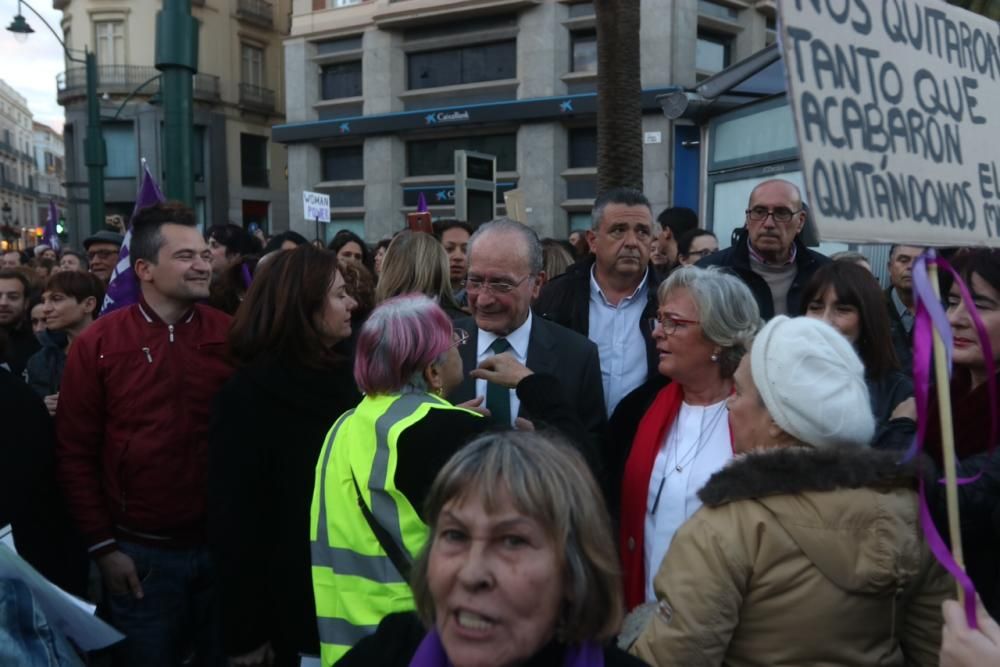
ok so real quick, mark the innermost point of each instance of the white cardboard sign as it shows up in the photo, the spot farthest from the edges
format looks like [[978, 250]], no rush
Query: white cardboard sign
[[897, 112], [316, 206]]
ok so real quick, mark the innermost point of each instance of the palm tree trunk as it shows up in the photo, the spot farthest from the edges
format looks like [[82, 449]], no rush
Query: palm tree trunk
[[619, 104]]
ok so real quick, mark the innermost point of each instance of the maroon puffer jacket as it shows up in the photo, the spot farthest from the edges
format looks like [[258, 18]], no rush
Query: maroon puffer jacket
[[132, 424]]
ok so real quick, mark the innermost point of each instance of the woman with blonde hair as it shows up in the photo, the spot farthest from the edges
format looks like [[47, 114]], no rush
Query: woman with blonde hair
[[416, 262]]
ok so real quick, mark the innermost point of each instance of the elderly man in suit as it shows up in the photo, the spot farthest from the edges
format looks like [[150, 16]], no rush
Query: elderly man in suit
[[504, 276]]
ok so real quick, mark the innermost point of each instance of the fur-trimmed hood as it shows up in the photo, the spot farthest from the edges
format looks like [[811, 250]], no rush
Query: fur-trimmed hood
[[851, 510], [784, 470]]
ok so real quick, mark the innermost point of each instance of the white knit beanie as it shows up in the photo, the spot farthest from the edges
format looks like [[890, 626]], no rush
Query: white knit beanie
[[812, 382]]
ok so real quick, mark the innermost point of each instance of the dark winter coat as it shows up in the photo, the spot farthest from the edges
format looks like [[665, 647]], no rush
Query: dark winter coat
[[268, 425], [44, 369], [565, 300], [29, 499], [398, 636], [902, 340], [886, 393], [736, 258], [21, 344], [979, 509]]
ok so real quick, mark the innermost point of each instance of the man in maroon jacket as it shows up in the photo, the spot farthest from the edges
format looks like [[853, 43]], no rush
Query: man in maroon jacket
[[132, 443]]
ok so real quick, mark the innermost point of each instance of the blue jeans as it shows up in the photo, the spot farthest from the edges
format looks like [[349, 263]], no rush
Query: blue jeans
[[26, 637], [178, 614]]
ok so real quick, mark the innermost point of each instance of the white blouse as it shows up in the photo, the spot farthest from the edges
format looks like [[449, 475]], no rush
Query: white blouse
[[697, 445]]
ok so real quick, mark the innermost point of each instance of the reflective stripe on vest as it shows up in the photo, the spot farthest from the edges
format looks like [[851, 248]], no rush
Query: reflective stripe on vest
[[355, 582]]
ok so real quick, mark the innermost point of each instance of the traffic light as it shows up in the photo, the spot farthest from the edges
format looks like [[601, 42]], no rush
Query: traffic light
[[61, 226], [39, 232], [475, 187]]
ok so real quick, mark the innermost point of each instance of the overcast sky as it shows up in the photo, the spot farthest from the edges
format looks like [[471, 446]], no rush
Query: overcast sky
[[31, 68]]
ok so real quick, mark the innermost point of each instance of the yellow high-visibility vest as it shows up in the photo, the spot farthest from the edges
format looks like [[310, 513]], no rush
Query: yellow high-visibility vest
[[355, 583]]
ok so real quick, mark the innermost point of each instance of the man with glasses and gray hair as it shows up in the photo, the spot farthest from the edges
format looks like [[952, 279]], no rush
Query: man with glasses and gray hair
[[504, 277], [768, 254]]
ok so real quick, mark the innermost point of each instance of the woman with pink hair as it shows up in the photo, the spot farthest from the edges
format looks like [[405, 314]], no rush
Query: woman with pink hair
[[379, 460]]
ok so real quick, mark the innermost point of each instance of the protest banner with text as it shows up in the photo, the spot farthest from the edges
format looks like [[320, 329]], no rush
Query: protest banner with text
[[897, 112]]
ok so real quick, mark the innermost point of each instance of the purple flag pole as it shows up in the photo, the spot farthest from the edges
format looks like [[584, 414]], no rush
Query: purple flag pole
[[421, 203], [123, 289], [51, 236]]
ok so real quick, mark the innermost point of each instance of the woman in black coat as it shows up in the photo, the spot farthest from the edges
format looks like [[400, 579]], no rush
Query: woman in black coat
[[268, 426]]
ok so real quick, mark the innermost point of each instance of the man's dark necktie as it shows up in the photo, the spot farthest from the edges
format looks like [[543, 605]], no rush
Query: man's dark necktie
[[497, 396]]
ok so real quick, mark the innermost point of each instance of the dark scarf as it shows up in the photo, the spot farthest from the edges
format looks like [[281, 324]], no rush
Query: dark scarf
[[971, 417], [431, 653]]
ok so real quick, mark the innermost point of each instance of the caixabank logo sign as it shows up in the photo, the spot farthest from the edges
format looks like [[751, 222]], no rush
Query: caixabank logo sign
[[461, 116]]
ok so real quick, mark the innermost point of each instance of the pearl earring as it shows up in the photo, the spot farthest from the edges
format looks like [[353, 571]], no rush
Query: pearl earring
[[715, 358]]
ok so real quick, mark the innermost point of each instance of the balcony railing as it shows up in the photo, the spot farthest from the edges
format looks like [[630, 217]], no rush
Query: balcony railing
[[255, 11], [124, 79], [256, 98]]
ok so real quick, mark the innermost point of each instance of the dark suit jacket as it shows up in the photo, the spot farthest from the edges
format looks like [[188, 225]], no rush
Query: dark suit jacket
[[567, 355]]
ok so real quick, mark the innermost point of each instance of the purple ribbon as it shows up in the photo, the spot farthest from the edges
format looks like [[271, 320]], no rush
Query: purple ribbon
[[929, 316], [431, 653], [247, 277]]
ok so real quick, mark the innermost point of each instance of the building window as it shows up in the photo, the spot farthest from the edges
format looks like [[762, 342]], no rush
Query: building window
[[256, 212], [580, 222], [466, 64], [715, 10], [253, 65], [254, 160], [332, 46], [119, 140], [581, 9], [356, 225], [110, 38], [435, 157], [582, 147], [343, 163], [712, 52], [340, 80], [584, 48]]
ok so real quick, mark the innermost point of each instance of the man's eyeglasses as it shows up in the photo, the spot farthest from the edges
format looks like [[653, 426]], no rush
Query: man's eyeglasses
[[669, 324], [477, 284], [459, 337], [103, 254], [780, 214]]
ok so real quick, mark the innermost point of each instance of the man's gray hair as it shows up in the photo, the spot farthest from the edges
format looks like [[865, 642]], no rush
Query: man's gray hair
[[625, 196], [508, 226], [727, 311]]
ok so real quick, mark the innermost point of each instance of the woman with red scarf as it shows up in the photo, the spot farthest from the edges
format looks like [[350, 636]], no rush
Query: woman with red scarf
[[677, 426]]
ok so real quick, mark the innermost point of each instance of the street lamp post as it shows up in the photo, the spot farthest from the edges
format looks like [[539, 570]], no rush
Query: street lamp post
[[94, 149], [177, 59]]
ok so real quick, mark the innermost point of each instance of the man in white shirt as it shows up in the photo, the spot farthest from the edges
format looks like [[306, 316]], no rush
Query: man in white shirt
[[612, 297]]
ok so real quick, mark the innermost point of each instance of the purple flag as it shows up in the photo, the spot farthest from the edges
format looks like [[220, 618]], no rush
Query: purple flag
[[51, 237], [123, 290], [421, 203]]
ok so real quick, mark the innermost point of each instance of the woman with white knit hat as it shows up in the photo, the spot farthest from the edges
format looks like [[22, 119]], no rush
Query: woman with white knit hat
[[808, 548]]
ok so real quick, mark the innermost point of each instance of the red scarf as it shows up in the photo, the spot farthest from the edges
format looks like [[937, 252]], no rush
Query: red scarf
[[649, 438], [635, 488]]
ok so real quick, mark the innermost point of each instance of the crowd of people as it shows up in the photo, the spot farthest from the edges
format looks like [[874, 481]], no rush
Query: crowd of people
[[478, 447]]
